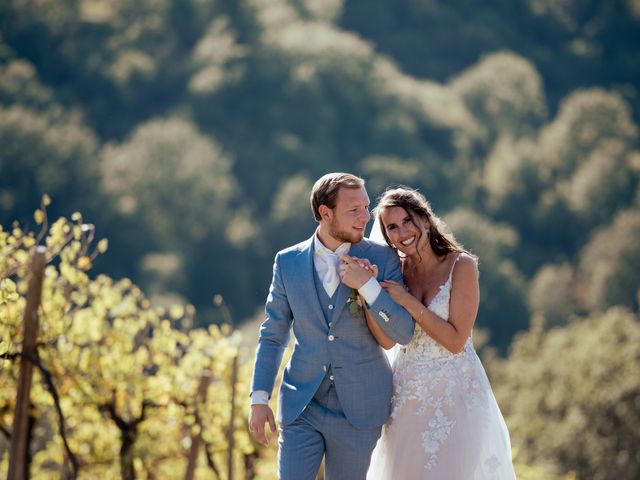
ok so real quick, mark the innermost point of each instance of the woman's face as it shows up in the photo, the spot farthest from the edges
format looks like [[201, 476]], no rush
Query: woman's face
[[406, 232]]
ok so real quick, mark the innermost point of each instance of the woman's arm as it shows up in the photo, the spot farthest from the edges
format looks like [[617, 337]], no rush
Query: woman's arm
[[463, 306]]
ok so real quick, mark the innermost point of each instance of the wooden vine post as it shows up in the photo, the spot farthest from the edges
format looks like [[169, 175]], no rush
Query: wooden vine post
[[232, 418], [196, 440], [18, 456]]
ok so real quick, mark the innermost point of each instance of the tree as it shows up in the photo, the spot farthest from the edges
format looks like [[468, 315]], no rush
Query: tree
[[46, 151], [570, 395], [177, 190], [177, 181], [504, 93], [610, 264], [511, 179], [553, 294], [586, 154]]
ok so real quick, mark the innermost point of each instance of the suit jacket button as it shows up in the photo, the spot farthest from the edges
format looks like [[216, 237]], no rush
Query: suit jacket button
[[331, 337]]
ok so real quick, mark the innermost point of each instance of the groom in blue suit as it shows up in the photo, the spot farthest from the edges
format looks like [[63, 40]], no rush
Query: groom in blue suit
[[336, 389]]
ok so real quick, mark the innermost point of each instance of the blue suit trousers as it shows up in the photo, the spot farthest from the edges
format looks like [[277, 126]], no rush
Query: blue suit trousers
[[323, 430]]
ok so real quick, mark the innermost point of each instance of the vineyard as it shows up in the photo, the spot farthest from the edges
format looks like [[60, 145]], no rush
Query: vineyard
[[119, 388]]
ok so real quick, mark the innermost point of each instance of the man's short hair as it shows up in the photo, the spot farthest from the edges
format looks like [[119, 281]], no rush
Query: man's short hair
[[325, 190]]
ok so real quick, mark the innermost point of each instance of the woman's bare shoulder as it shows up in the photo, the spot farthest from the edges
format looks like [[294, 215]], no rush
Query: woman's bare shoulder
[[466, 265]]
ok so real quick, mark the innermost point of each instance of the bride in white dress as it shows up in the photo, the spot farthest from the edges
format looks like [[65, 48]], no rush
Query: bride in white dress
[[445, 423]]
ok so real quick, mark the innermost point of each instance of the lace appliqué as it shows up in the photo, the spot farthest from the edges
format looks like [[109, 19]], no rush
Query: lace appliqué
[[428, 375]]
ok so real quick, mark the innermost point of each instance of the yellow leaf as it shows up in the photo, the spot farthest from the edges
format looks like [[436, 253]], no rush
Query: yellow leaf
[[38, 215], [84, 263], [46, 200], [189, 419], [176, 311], [103, 245]]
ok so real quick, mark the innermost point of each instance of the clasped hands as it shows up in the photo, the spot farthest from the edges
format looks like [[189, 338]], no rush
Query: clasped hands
[[355, 272]]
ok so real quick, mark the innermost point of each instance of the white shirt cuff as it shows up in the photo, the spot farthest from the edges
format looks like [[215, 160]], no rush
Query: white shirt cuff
[[370, 290], [259, 397]]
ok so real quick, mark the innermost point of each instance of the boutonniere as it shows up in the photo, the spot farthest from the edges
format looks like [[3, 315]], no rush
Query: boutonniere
[[355, 307]]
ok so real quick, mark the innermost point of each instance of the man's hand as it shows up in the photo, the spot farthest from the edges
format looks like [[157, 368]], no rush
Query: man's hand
[[260, 414], [355, 272]]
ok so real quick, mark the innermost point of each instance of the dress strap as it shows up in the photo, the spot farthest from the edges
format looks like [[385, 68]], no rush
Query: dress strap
[[453, 265]]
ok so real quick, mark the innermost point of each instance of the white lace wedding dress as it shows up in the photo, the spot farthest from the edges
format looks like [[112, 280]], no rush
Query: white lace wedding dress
[[445, 423]]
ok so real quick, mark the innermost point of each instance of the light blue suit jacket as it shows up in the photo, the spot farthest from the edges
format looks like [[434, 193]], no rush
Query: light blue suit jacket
[[362, 375]]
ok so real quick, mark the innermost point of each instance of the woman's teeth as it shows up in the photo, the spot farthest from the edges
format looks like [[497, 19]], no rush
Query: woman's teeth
[[408, 241]]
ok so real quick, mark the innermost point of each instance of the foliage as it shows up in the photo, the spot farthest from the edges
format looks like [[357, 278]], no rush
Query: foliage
[[48, 151], [504, 94], [570, 395], [553, 293], [192, 131], [175, 181], [136, 385], [609, 263]]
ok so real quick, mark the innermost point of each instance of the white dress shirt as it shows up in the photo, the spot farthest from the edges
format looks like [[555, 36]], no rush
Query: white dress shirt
[[326, 263]]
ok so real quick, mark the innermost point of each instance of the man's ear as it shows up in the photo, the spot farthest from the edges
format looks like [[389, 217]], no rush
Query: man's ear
[[325, 213]]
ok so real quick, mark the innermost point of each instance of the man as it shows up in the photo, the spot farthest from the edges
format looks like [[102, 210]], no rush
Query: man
[[336, 389]]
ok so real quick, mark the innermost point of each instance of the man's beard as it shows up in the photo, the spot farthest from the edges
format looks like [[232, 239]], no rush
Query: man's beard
[[343, 236]]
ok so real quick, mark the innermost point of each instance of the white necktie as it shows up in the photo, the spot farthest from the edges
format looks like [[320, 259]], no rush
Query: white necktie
[[330, 279]]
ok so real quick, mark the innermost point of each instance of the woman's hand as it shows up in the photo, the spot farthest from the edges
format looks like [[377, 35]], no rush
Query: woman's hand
[[396, 291]]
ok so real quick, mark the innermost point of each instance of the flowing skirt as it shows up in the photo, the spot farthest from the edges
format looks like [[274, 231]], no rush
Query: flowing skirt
[[445, 423]]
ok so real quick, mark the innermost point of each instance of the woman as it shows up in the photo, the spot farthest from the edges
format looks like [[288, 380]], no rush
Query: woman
[[445, 423]]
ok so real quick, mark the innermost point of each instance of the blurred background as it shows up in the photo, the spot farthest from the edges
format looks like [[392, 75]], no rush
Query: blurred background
[[190, 133]]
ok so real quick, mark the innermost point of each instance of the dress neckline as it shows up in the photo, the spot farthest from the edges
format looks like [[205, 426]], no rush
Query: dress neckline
[[438, 292], [445, 283]]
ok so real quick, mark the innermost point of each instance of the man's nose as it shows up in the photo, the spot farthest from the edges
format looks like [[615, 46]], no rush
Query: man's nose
[[365, 215]]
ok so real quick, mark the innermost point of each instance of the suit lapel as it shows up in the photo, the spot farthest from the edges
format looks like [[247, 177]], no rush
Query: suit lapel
[[307, 281]]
